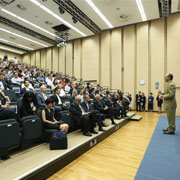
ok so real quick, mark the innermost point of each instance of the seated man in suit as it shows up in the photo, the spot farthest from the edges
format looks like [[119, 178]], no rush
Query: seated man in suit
[[116, 110], [26, 87], [57, 99], [80, 117], [100, 106], [41, 98], [5, 112], [87, 106]]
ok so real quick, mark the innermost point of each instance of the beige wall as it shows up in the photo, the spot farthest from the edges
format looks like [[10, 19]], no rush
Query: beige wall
[[122, 57], [11, 55]]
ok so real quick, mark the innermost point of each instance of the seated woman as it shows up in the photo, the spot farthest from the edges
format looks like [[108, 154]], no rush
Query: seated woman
[[29, 104], [48, 117]]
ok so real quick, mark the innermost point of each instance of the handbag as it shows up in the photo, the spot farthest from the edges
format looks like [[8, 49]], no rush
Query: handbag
[[58, 141]]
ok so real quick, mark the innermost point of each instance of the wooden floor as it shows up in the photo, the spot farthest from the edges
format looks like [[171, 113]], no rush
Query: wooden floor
[[117, 157]]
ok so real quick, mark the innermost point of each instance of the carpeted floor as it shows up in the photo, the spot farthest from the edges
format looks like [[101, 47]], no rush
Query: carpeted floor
[[162, 158]]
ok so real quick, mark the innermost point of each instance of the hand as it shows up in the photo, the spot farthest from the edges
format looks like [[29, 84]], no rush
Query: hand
[[55, 122], [34, 108], [160, 92], [85, 113], [106, 108], [6, 106], [64, 105]]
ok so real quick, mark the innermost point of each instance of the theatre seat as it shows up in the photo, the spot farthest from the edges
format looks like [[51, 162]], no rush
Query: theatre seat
[[11, 94], [31, 129], [9, 135]]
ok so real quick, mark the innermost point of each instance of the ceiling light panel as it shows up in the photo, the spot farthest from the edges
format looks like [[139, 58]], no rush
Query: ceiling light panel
[[50, 12], [20, 36], [13, 43], [26, 21], [141, 10], [38, 17], [99, 13], [12, 50], [126, 7]]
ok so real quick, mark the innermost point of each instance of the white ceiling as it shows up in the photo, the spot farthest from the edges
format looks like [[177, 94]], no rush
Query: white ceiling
[[112, 10]]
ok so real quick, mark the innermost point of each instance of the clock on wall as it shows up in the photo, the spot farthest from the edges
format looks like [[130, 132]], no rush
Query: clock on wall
[[142, 82]]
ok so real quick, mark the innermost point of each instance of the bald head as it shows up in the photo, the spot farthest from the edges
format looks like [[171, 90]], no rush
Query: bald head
[[43, 89], [78, 99], [168, 77]]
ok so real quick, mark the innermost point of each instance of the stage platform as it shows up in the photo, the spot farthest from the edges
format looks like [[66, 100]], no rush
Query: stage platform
[[40, 163]]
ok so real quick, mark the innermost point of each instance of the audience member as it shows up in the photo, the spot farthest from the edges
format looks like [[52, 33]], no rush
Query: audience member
[[29, 104], [80, 117], [159, 100], [150, 102], [48, 117]]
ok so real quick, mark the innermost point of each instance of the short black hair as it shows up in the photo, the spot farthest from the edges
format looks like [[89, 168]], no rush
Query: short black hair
[[170, 76], [56, 89], [28, 94], [49, 100]]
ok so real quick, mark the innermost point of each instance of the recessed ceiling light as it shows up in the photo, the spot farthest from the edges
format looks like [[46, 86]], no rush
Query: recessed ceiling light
[[99, 13], [21, 7], [20, 45], [56, 16], [48, 22], [12, 50], [23, 37], [12, 38], [123, 17]]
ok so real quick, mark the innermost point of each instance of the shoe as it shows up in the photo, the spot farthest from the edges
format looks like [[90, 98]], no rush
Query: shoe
[[87, 134], [101, 129], [118, 117], [94, 132], [167, 132], [104, 125], [165, 129], [5, 157]]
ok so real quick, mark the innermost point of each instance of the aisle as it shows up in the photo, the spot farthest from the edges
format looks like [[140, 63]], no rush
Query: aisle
[[116, 158]]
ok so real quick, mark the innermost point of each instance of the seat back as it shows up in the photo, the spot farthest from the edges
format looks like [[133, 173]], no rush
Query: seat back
[[11, 94], [32, 127], [66, 117], [9, 133]]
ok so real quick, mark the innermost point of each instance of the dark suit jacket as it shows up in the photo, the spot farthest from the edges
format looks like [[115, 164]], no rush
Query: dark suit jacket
[[76, 112], [138, 98], [23, 90], [85, 107], [109, 103], [56, 99], [99, 105], [26, 108], [4, 84]]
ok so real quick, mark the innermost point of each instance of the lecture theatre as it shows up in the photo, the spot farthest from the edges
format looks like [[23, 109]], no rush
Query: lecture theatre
[[90, 89]]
